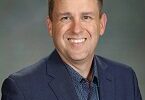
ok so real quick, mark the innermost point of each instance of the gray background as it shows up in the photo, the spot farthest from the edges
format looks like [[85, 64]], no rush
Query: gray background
[[24, 38]]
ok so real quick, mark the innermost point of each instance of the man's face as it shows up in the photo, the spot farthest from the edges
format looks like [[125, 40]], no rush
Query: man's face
[[75, 28]]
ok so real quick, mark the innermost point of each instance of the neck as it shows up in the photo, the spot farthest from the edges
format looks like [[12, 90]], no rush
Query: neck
[[82, 67]]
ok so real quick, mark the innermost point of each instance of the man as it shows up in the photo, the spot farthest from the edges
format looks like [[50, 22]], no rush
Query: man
[[73, 71]]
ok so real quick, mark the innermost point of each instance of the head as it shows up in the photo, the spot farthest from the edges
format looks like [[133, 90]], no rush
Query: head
[[75, 27], [51, 6]]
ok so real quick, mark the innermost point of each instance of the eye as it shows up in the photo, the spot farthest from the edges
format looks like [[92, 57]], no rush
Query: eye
[[65, 19], [87, 18]]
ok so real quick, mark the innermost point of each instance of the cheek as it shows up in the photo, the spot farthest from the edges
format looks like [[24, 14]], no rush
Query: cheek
[[60, 29], [93, 29], [56, 32], [59, 34]]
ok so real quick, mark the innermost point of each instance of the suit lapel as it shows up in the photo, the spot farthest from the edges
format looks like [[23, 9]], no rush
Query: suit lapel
[[62, 86], [61, 83], [106, 81]]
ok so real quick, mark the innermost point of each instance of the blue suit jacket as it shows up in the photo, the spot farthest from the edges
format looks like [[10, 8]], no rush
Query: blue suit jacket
[[49, 80]]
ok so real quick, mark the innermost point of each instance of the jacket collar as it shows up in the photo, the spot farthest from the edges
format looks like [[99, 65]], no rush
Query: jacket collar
[[105, 79], [60, 81]]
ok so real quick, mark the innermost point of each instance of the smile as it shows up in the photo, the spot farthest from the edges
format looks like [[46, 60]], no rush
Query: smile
[[77, 40]]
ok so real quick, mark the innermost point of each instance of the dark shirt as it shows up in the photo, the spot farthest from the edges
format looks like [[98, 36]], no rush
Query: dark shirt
[[85, 90]]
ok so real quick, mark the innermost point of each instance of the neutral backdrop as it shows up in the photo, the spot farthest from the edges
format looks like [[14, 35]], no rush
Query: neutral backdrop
[[24, 37]]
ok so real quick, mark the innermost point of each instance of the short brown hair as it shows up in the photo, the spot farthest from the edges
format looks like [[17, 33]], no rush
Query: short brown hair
[[51, 6]]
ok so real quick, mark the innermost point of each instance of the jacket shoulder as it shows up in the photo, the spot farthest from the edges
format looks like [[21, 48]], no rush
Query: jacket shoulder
[[116, 68], [31, 70], [111, 63], [29, 83]]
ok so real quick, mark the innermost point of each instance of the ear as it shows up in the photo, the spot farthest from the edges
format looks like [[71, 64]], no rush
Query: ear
[[49, 25], [103, 21]]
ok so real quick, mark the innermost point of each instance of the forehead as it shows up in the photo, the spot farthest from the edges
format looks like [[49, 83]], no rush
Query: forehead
[[75, 5]]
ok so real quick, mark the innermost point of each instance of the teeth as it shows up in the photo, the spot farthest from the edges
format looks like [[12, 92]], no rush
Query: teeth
[[74, 40]]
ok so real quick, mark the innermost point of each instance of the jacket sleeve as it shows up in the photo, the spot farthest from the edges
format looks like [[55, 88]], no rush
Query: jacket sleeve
[[137, 94], [10, 90]]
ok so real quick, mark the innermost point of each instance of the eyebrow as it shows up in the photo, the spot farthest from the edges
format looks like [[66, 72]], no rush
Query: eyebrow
[[68, 13], [63, 14], [88, 13]]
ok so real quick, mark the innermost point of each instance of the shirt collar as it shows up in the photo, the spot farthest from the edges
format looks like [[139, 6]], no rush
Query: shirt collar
[[74, 74], [78, 78]]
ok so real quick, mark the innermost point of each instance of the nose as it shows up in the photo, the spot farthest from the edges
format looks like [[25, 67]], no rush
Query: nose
[[77, 27]]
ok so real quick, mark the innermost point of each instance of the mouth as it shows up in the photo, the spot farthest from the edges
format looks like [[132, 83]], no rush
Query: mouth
[[77, 40]]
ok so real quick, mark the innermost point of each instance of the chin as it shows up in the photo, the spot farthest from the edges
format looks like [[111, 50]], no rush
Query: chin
[[78, 57]]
